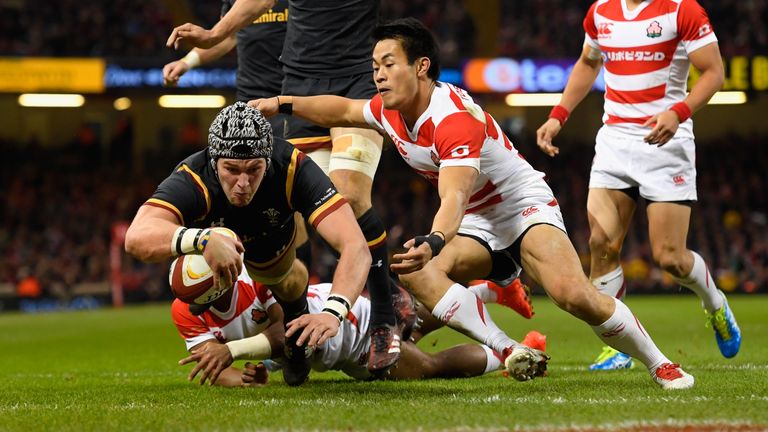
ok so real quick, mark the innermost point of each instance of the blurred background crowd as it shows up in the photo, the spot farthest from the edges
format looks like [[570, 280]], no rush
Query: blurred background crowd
[[59, 204], [530, 28]]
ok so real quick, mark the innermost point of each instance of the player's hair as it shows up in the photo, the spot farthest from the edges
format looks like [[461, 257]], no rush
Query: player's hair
[[416, 39], [240, 132]]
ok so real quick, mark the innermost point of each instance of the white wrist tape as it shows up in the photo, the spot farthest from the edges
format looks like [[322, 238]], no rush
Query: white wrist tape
[[338, 306], [192, 59], [252, 348], [189, 240]]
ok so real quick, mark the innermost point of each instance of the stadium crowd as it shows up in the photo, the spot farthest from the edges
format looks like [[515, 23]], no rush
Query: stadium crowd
[[56, 217], [535, 28]]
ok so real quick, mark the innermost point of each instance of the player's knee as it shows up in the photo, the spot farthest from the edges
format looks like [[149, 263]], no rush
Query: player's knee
[[573, 295], [601, 245], [293, 285], [354, 155], [359, 200], [670, 260]]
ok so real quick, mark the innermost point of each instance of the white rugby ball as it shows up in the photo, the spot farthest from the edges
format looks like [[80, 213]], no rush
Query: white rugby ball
[[191, 278]]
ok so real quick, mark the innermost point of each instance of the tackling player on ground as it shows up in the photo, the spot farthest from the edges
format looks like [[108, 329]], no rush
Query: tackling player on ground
[[245, 324]]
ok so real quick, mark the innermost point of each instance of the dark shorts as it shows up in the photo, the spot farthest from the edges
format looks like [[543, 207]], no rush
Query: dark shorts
[[354, 87], [307, 136]]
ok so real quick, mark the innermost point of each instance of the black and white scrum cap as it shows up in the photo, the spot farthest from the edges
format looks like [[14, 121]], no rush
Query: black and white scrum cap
[[240, 132]]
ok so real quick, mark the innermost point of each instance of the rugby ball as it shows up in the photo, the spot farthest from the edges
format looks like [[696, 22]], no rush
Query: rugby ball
[[191, 278]]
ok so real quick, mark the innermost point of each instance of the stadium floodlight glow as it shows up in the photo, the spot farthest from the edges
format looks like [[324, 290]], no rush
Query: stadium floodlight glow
[[192, 101], [728, 98], [533, 99], [122, 103], [51, 100]]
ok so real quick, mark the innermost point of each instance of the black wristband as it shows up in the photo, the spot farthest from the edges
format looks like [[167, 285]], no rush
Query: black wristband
[[284, 108], [434, 241]]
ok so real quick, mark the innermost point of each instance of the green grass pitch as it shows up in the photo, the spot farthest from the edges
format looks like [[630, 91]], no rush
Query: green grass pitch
[[116, 370]]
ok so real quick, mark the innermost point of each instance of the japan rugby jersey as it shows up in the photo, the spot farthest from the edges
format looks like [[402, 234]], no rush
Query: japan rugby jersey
[[645, 51], [246, 316], [455, 131]]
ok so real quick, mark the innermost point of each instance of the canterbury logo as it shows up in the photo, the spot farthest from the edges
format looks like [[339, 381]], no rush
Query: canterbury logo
[[614, 332], [450, 312], [529, 211], [604, 30], [679, 180]]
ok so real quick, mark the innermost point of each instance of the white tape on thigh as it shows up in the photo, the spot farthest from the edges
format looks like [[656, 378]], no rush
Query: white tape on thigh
[[355, 153]]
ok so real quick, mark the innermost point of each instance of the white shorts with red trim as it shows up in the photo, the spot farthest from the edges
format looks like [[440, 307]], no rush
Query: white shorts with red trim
[[502, 224], [664, 174]]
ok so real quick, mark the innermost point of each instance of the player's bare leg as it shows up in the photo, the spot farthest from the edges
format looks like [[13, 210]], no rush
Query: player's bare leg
[[668, 230], [353, 163], [545, 248], [461, 361], [610, 213], [465, 259]]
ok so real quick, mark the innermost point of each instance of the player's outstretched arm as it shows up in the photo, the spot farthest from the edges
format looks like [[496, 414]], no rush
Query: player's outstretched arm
[[324, 110], [580, 82], [341, 231], [174, 70], [149, 236], [214, 359], [455, 187], [243, 12]]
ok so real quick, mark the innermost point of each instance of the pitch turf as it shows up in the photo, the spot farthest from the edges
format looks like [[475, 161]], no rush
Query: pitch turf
[[116, 370]]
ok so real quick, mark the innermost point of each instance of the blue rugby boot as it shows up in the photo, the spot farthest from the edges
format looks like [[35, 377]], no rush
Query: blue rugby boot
[[727, 332], [611, 359]]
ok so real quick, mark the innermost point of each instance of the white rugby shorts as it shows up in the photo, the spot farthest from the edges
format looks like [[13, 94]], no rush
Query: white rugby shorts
[[662, 174], [502, 224]]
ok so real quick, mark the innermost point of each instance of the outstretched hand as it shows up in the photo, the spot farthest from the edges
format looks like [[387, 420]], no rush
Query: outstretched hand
[[413, 260], [317, 328], [192, 34], [268, 106], [173, 71], [211, 360]]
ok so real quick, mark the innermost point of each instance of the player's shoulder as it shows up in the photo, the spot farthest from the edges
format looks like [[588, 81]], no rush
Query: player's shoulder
[[197, 166], [181, 315], [282, 153], [454, 105]]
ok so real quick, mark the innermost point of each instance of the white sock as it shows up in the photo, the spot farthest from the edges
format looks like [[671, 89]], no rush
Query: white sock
[[700, 281], [612, 283], [624, 332], [482, 291], [493, 362], [463, 311]]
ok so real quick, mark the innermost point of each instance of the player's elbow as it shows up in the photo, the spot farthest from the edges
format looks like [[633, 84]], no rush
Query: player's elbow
[[357, 249], [135, 246]]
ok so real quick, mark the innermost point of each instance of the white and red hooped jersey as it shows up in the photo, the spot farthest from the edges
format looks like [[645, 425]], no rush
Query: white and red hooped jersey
[[247, 317], [645, 53], [455, 131]]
